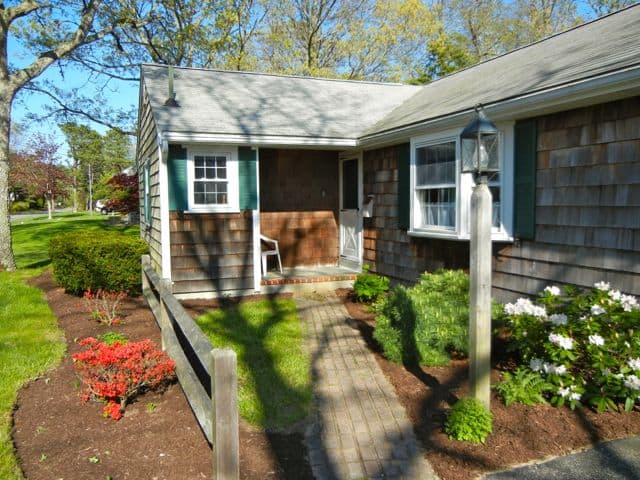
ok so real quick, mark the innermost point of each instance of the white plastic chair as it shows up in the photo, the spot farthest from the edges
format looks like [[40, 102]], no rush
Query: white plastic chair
[[273, 250]]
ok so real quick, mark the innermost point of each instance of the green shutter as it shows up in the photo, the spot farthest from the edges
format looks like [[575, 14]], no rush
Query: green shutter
[[177, 172], [247, 178], [404, 187], [146, 194], [525, 179]]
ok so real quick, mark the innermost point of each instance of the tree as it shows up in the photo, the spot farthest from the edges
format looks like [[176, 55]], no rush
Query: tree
[[123, 196], [51, 31], [605, 7], [36, 172], [86, 155], [537, 19]]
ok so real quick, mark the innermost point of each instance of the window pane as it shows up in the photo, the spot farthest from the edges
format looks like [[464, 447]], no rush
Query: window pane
[[438, 207], [436, 164], [210, 193]]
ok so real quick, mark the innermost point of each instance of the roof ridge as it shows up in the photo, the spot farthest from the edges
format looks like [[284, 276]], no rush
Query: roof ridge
[[280, 75]]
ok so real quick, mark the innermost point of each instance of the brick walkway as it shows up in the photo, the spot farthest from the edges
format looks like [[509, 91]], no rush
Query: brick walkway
[[361, 430]]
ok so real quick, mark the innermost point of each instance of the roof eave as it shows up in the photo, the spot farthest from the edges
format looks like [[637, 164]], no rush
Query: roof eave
[[258, 140]]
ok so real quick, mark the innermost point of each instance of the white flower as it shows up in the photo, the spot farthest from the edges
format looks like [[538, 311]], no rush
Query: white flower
[[634, 363], [597, 310], [552, 290], [523, 306], [536, 364], [569, 392], [604, 286], [553, 369], [561, 341], [632, 382], [627, 344], [629, 303], [596, 340], [558, 319], [606, 372], [615, 295], [583, 318]]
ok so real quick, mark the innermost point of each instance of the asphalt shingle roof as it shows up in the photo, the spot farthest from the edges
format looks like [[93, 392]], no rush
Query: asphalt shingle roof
[[213, 101]]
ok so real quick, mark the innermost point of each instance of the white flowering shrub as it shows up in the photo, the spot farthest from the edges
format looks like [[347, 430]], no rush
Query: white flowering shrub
[[584, 343]]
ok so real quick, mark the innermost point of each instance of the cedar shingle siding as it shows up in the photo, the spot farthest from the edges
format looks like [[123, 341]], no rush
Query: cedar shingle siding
[[587, 204]]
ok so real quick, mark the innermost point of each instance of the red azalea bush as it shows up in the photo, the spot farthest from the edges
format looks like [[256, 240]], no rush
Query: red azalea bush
[[104, 306], [116, 373]]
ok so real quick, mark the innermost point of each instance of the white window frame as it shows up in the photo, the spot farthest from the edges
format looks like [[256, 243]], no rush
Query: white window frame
[[233, 193], [464, 185]]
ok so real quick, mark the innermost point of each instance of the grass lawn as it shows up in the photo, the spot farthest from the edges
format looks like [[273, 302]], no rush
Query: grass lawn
[[274, 379], [31, 235], [30, 341]]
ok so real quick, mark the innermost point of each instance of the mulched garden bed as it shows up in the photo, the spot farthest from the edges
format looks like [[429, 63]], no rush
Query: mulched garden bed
[[520, 433], [57, 436]]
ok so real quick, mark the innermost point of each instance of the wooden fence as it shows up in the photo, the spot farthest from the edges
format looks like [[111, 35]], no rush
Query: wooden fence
[[207, 375]]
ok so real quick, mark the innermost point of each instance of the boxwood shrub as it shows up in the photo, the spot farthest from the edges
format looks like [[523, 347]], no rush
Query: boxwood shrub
[[425, 323], [110, 261]]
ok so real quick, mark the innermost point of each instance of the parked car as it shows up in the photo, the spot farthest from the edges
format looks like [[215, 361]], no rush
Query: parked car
[[102, 208]]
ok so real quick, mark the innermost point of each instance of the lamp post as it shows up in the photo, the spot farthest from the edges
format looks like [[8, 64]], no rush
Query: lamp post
[[479, 142]]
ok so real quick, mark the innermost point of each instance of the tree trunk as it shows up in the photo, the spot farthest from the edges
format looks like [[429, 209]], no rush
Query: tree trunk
[[50, 206], [7, 259]]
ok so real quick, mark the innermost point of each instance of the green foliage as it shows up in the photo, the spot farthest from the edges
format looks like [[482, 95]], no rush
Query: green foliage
[[110, 338], [30, 344], [83, 261], [523, 386], [469, 421], [20, 206], [585, 343], [274, 372], [368, 287], [426, 322]]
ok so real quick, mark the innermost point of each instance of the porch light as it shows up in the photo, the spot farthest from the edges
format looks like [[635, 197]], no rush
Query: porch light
[[479, 143]]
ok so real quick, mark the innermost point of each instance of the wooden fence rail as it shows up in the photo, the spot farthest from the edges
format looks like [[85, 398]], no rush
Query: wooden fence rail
[[207, 375]]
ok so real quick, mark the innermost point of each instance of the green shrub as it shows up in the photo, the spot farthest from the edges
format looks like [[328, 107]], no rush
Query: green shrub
[[426, 322], [110, 338], [19, 206], [584, 342], [469, 421], [109, 261], [368, 287], [523, 386]]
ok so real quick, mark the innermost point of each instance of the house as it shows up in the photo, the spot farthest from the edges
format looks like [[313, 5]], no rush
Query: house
[[348, 173]]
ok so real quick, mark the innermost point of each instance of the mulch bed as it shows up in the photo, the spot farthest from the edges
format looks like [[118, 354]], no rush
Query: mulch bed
[[57, 436], [520, 433]]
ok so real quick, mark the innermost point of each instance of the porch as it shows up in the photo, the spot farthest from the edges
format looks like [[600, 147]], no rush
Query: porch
[[301, 207]]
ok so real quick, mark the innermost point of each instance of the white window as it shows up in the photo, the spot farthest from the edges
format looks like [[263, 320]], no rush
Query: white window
[[213, 179], [441, 194]]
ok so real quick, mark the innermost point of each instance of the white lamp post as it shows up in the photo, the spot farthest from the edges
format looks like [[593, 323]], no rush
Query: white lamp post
[[479, 141]]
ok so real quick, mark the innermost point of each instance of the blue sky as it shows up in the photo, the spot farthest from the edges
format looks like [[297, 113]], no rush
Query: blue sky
[[119, 95]]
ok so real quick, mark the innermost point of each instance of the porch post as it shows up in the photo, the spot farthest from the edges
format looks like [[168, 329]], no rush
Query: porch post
[[257, 272]]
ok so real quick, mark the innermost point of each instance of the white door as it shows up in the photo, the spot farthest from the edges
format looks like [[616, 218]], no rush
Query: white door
[[350, 218]]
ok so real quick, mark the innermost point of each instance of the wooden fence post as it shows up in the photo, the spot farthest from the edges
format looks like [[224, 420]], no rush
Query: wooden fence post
[[165, 319], [145, 262], [224, 395]]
